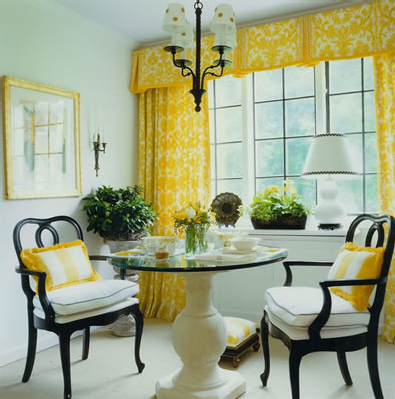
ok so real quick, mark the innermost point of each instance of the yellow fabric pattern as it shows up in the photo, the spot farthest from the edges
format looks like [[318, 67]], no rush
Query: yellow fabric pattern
[[174, 170], [356, 262], [351, 32], [238, 330], [384, 69], [65, 264]]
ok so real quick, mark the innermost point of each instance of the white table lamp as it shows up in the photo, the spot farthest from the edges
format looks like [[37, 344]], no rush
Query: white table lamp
[[329, 157]]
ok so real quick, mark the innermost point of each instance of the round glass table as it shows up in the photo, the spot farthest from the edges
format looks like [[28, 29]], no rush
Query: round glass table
[[199, 332]]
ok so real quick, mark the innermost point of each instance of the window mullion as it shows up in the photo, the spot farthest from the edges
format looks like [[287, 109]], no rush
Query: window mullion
[[247, 111]]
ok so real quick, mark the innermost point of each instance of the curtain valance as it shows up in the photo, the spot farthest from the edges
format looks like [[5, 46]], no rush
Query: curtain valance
[[351, 32]]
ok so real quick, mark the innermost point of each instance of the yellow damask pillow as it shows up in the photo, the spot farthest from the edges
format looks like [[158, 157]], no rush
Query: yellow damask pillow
[[65, 264], [356, 262]]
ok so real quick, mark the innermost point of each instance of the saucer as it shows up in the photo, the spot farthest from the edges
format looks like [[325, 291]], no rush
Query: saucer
[[233, 250]]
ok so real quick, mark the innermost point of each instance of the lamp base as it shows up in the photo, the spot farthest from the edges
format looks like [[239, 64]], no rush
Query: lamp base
[[329, 226]]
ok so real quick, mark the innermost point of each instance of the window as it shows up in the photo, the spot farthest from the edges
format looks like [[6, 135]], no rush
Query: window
[[261, 127]]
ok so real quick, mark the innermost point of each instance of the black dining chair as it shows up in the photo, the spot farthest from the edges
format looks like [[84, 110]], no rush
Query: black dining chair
[[316, 319], [73, 307]]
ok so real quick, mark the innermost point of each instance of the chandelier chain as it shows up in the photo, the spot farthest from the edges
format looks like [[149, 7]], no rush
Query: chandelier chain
[[198, 4]]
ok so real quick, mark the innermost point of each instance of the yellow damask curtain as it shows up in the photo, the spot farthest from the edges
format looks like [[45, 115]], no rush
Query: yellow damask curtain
[[174, 167], [351, 32], [384, 67]]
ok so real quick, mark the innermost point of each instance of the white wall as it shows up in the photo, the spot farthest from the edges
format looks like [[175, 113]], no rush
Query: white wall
[[43, 43]]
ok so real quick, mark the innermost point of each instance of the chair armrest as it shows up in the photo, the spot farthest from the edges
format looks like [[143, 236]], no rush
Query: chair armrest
[[323, 315], [41, 292], [288, 271]]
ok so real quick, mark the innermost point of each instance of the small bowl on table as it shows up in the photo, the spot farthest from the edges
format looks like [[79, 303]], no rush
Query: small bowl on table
[[245, 243]]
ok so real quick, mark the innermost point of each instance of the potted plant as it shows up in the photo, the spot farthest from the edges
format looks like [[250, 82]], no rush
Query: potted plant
[[119, 214], [273, 209]]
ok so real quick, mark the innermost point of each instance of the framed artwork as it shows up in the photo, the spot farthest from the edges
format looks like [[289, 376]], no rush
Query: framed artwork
[[41, 140]]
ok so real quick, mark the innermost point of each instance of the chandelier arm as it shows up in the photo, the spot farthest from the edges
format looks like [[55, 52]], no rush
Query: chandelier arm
[[183, 67], [184, 74], [216, 74]]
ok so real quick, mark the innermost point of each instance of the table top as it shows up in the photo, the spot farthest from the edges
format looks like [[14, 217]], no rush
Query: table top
[[181, 263]]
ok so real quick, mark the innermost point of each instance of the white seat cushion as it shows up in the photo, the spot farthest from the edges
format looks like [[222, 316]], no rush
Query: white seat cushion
[[293, 309], [88, 296], [89, 313]]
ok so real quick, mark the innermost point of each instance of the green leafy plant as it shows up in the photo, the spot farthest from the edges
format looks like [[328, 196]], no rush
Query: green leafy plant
[[272, 204], [119, 214]]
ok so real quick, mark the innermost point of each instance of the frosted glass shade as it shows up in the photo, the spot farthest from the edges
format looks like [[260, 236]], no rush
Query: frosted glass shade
[[228, 40], [329, 154], [174, 20], [224, 21], [186, 39]]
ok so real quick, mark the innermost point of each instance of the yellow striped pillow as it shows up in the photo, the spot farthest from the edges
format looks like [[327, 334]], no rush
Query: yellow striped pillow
[[238, 330], [356, 262], [65, 264]]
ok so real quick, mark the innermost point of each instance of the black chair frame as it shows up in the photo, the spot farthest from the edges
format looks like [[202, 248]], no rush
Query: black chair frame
[[341, 345], [63, 330]]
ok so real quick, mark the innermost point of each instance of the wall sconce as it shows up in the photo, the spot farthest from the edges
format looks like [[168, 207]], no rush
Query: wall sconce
[[98, 149]]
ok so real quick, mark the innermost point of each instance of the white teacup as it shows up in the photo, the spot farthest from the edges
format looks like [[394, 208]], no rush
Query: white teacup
[[153, 243]]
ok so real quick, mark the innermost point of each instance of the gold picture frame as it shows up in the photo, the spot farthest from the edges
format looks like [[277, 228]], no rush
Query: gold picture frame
[[41, 126]]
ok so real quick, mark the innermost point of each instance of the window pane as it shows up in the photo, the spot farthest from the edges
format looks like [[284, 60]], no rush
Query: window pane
[[227, 91], [345, 76], [346, 113], [212, 156], [299, 117], [370, 115], [368, 73], [305, 188], [261, 184], [351, 194], [234, 186], [371, 194], [212, 125], [299, 82], [296, 155], [213, 192], [269, 158], [268, 85], [356, 150], [229, 160], [371, 152], [210, 89], [229, 124], [269, 120]]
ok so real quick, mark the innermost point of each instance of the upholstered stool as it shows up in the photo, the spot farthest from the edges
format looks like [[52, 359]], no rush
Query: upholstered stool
[[242, 336]]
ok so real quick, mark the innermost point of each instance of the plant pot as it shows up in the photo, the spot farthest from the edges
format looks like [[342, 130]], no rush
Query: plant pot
[[281, 223]]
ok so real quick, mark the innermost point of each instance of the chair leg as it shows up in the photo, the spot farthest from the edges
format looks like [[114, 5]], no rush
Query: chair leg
[[85, 343], [341, 358], [373, 367], [64, 345], [31, 350], [138, 316], [265, 347], [294, 362]]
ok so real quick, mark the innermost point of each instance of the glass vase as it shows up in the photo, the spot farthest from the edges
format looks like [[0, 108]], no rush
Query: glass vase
[[196, 239]]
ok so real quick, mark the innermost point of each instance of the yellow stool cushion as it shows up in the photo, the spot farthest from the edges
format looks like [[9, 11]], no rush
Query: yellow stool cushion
[[238, 330]]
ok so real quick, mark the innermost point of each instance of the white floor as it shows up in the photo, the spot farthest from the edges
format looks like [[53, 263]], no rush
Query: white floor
[[110, 371]]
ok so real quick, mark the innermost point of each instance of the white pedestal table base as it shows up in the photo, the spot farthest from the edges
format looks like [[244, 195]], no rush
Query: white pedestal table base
[[199, 338]]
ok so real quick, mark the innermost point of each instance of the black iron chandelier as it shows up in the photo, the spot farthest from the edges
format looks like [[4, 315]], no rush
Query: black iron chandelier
[[224, 27]]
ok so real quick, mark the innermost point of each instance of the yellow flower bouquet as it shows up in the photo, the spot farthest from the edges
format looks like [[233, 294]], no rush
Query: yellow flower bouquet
[[195, 220]]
